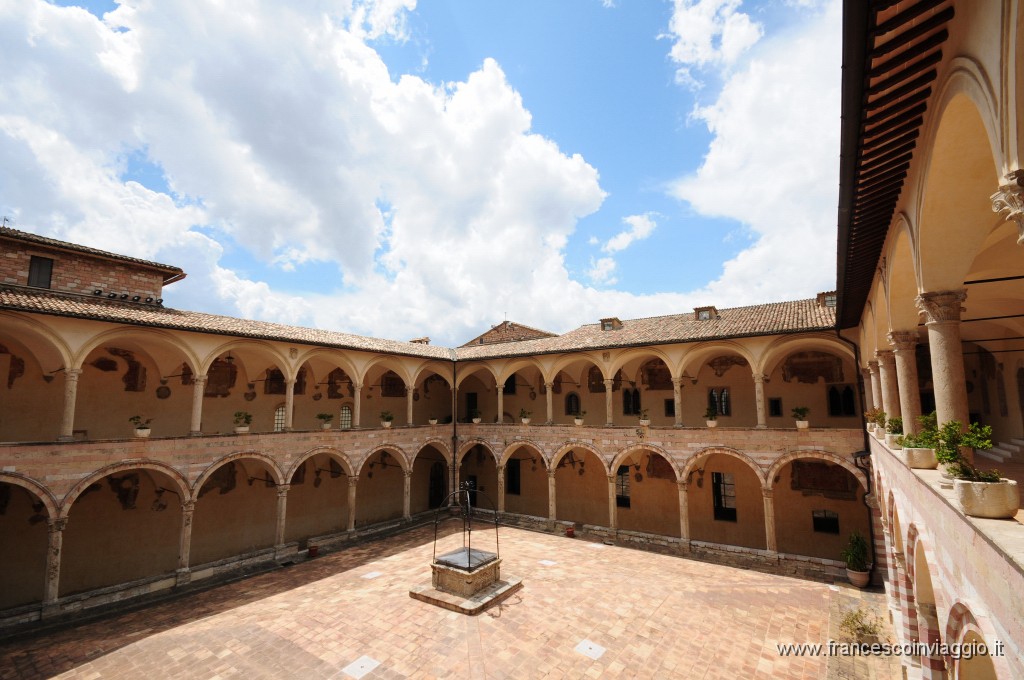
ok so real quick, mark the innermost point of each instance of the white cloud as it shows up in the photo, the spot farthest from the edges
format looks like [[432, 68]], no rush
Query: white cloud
[[773, 164], [709, 33], [601, 270], [640, 227]]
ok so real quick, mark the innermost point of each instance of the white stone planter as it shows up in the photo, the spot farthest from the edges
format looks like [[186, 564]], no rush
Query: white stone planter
[[803, 424], [578, 421], [325, 426], [526, 421], [241, 429], [993, 500], [858, 578], [432, 421], [879, 432], [919, 459], [476, 421], [385, 424], [644, 422], [142, 432], [890, 441], [712, 423]]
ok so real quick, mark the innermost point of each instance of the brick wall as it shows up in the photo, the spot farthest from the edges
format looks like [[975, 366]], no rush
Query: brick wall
[[79, 273]]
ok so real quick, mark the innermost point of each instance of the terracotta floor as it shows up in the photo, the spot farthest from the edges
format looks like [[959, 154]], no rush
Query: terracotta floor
[[655, 616]]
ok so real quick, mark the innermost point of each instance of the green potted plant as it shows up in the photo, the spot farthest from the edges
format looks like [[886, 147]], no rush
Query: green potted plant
[[325, 420], [980, 493], [855, 554], [893, 430], [474, 414], [711, 416], [385, 419], [871, 417], [917, 449], [524, 416], [578, 418], [800, 416], [645, 419], [242, 420], [142, 429]]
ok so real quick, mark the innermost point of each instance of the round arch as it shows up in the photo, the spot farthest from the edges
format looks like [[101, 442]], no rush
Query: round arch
[[704, 351], [519, 443], [46, 344], [275, 471], [625, 453], [781, 348], [44, 495], [469, 445], [140, 336], [391, 363], [624, 357], [435, 367], [566, 448], [438, 444], [391, 449], [517, 365], [332, 357], [473, 370], [259, 347], [564, 361], [903, 275], [700, 455], [827, 456], [334, 453], [71, 496]]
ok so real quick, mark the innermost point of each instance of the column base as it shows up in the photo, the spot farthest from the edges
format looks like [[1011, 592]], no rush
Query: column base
[[183, 577], [66, 438], [195, 433], [49, 610]]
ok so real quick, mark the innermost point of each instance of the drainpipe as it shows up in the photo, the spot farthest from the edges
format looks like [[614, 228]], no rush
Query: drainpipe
[[455, 421], [864, 455]]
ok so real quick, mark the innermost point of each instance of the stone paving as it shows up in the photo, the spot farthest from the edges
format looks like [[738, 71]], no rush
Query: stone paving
[[587, 610]]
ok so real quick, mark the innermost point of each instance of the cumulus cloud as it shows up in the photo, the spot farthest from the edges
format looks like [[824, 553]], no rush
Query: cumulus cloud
[[601, 270], [640, 227], [709, 33]]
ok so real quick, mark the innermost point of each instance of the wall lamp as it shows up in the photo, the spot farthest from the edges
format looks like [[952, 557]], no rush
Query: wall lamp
[[98, 291], [333, 473], [267, 480]]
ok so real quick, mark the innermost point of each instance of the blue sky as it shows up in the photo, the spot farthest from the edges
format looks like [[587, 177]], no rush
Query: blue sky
[[554, 162]]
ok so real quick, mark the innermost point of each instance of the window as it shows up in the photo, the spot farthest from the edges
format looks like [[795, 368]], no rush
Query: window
[[825, 521], [607, 325], [40, 271], [510, 385], [572, 404], [631, 402], [724, 489], [345, 418], [718, 399], [775, 407], [830, 300], [670, 408], [841, 400], [513, 477], [391, 385], [704, 315], [279, 414], [622, 487]]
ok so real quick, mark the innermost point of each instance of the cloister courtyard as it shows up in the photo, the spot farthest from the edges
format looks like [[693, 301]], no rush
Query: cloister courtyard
[[587, 609]]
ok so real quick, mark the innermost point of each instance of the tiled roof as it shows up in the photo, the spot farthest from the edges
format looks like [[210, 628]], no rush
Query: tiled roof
[[766, 319], [14, 234], [101, 309], [508, 331]]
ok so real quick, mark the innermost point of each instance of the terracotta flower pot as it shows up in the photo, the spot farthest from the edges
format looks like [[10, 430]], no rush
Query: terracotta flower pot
[[858, 578]]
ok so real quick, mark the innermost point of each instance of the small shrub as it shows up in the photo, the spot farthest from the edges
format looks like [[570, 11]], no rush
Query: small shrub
[[859, 624]]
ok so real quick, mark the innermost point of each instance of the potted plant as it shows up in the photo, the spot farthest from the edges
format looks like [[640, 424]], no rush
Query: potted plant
[[918, 449], [474, 414], [432, 420], [524, 416], [385, 419], [871, 417], [325, 420], [893, 430], [980, 493], [711, 416], [855, 554], [645, 420], [242, 419], [578, 418], [142, 429], [800, 416]]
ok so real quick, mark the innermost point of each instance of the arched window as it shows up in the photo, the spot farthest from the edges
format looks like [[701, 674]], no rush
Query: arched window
[[345, 417], [718, 401], [279, 415], [631, 402], [572, 404]]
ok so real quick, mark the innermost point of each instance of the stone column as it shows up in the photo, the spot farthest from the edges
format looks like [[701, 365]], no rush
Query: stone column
[[868, 392], [904, 343], [67, 423], [408, 404], [550, 402], [612, 505], [357, 407], [198, 390], [887, 379], [876, 385], [762, 418], [501, 403], [184, 574], [54, 545], [769, 521], [608, 403], [501, 488], [684, 511], [353, 482], [407, 495], [552, 507], [942, 318], [282, 509], [677, 398], [289, 404]]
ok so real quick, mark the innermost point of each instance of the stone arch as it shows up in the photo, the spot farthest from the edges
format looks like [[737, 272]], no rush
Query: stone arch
[[468, 445], [963, 627], [44, 495], [140, 336], [436, 367], [334, 453], [624, 453], [269, 352], [566, 448], [780, 349], [783, 460], [624, 357], [903, 275], [511, 448], [438, 444], [511, 367], [695, 460], [707, 350], [46, 343], [71, 496], [566, 360], [474, 369], [396, 451], [275, 471], [388, 363], [333, 357]]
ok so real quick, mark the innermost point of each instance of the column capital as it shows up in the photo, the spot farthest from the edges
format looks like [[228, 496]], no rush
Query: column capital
[[282, 489], [357, 386], [903, 340], [290, 382], [611, 479], [407, 473], [551, 474], [885, 356], [1009, 201], [199, 379], [550, 385], [866, 372], [188, 506], [683, 484], [767, 493], [759, 378], [872, 367], [409, 389], [500, 469], [942, 306], [72, 373], [608, 383], [677, 381], [58, 524], [353, 480]]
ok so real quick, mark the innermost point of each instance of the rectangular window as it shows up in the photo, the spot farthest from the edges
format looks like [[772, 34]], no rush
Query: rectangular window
[[724, 489], [670, 408], [720, 401], [345, 418], [622, 487], [775, 407], [513, 477], [40, 271], [825, 521], [279, 419]]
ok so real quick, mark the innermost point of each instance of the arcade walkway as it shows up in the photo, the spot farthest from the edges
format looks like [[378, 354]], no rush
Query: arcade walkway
[[654, 616]]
